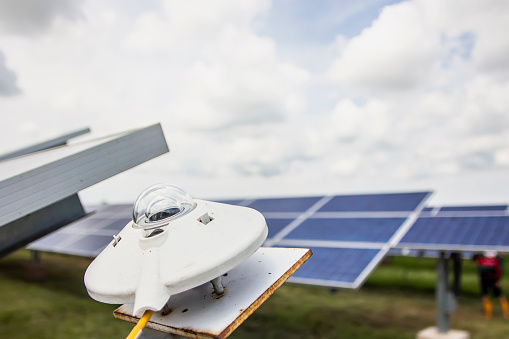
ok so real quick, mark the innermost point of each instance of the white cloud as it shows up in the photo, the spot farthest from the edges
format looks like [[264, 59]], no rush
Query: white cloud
[[35, 16], [8, 84], [350, 121], [397, 51], [347, 166], [437, 71], [233, 75], [240, 119], [216, 96], [410, 42], [181, 25]]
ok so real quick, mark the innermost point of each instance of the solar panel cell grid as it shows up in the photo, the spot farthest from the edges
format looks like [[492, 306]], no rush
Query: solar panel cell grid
[[88, 223], [336, 264], [473, 231], [51, 241], [345, 245], [347, 229], [276, 225], [284, 204], [90, 243], [374, 202]]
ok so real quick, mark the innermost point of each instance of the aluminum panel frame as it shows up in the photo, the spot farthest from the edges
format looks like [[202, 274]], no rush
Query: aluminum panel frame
[[46, 177]]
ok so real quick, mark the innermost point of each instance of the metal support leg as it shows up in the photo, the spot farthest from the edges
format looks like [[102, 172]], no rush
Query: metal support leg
[[456, 264], [442, 295], [218, 285], [36, 258]]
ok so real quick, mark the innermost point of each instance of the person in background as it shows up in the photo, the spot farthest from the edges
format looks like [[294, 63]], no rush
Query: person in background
[[490, 266]]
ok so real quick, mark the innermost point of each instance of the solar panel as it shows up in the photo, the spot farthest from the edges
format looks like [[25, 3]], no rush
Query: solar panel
[[347, 244], [339, 267], [284, 204], [31, 182], [375, 202], [276, 225], [89, 235], [38, 191], [348, 229], [94, 243], [467, 228], [360, 226], [458, 233]]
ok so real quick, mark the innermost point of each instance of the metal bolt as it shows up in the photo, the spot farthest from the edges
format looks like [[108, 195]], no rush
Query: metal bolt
[[218, 285]]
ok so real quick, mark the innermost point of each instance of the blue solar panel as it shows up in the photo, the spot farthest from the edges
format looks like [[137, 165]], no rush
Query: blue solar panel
[[345, 245], [466, 231], [52, 240], [348, 229], [88, 223], [284, 204], [473, 208], [89, 243], [336, 264], [276, 225], [89, 235], [375, 202]]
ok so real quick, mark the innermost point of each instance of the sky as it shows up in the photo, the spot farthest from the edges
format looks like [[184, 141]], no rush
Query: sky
[[262, 98]]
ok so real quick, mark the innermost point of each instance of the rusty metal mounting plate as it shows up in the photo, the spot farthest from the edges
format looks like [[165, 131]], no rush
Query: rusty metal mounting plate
[[199, 313]]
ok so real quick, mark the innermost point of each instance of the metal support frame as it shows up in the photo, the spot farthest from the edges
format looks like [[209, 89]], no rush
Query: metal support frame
[[59, 141], [441, 294], [35, 225], [457, 262], [38, 192], [446, 301], [36, 257]]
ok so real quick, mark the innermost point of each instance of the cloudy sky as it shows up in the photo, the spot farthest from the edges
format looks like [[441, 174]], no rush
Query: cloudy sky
[[271, 98]]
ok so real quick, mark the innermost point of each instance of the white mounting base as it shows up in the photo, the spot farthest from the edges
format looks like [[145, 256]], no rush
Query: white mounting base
[[432, 333], [199, 313]]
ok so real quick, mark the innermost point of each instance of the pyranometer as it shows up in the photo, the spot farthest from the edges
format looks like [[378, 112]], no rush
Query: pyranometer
[[174, 243]]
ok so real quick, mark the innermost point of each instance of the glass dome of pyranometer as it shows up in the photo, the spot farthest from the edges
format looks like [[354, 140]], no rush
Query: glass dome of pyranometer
[[159, 204]]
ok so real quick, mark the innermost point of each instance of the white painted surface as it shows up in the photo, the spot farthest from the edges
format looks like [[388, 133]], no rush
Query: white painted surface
[[432, 333], [199, 313]]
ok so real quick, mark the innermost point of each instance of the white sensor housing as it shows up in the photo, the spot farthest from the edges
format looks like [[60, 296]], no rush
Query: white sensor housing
[[173, 244]]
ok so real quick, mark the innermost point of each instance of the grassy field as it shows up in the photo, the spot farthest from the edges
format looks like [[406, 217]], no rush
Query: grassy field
[[396, 302]]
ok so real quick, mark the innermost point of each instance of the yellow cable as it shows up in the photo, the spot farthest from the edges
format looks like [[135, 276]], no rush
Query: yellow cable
[[140, 325]]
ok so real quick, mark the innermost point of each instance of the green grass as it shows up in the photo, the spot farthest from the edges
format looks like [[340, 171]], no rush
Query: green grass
[[397, 301]]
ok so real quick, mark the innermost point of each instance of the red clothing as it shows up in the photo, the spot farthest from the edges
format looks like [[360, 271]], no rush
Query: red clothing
[[490, 267]]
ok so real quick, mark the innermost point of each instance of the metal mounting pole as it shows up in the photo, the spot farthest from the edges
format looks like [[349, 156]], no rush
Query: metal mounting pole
[[457, 268], [36, 258], [442, 295]]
